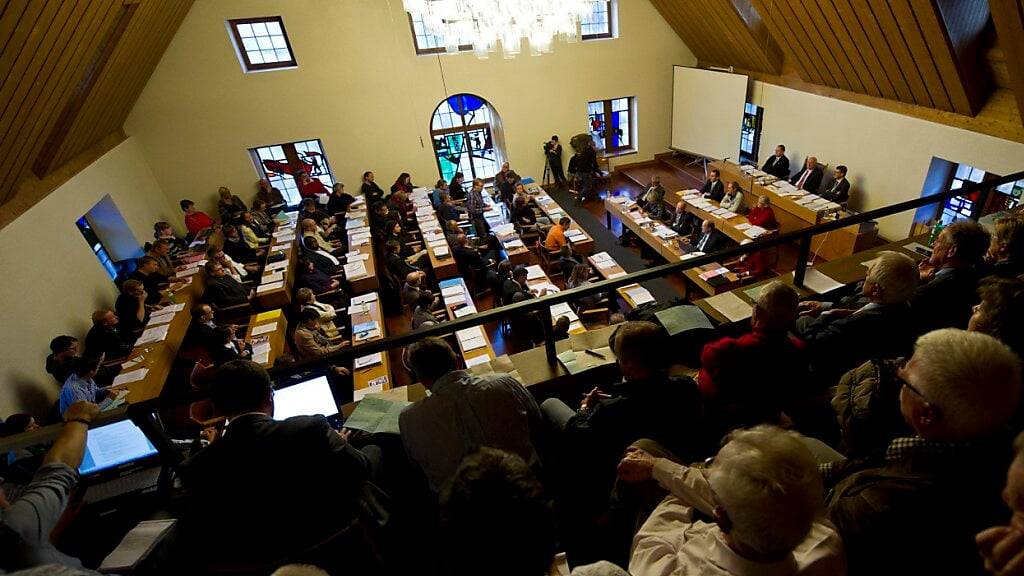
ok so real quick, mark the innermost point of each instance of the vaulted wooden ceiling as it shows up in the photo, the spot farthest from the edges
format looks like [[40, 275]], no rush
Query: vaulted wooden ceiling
[[70, 72], [928, 53]]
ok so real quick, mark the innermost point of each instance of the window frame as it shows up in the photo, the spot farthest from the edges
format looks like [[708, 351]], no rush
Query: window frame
[[611, 25], [291, 155], [629, 148], [243, 54], [430, 51]]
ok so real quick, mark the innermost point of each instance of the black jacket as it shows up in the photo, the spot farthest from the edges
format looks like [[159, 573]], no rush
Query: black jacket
[[837, 344], [126, 307], [239, 251], [372, 192], [837, 191], [777, 166], [715, 190], [510, 288], [468, 257], [308, 479], [109, 340], [151, 283], [336, 203], [225, 291], [945, 301], [323, 263], [398, 266], [813, 180], [716, 242]]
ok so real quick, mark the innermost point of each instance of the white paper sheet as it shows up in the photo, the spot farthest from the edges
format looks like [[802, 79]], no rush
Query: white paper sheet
[[268, 287], [477, 360], [129, 377], [820, 283], [730, 306], [264, 328]]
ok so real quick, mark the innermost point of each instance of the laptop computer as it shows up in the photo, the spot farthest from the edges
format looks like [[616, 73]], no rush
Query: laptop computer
[[119, 459], [306, 398]]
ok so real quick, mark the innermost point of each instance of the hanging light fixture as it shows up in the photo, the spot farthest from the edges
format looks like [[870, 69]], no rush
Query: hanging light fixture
[[486, 23]]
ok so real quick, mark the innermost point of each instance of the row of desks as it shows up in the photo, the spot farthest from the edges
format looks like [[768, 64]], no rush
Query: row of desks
[[584, 245]]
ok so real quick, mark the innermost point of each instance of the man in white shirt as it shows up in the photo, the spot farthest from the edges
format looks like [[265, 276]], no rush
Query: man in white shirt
[[764, 494], [463, 412]]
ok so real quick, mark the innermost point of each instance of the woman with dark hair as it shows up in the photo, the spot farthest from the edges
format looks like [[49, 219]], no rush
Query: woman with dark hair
[[310, 277], [339, 201], [371, 190], [1000, 313], [455, 191], [403, 184], [309, 187]]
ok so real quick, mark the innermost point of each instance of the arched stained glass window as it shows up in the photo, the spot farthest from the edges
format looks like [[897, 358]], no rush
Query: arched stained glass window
[[465, 137]]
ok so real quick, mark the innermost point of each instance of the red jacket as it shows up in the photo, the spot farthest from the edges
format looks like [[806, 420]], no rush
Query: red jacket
[[197, 222], [763, 217], [312, 188]]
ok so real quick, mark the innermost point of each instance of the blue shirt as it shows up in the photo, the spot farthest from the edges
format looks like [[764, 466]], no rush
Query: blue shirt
[[76, 389]]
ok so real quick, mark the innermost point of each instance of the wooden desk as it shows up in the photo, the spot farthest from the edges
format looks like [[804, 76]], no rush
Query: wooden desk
[[613, 271], [517, 255], [428, 224], [450, 307], [734, 226], [370, 281], [276, 336], [277, 298], [575, 324], [361, 378], [732, 280]]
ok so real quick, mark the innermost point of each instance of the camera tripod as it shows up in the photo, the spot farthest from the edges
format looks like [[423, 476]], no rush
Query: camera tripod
[[547, 171]]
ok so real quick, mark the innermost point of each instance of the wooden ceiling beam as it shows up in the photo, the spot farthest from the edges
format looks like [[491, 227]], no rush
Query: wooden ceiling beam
[[1008, 16]]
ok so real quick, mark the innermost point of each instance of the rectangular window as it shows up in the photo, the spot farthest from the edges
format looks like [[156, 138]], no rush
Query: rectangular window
[[280, 164], [599, 22], [961, 207], [611, 124], [97, 247], [262, 43], [427, 43]]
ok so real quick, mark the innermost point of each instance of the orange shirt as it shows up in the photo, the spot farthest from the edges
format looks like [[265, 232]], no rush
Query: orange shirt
[[556, 238]]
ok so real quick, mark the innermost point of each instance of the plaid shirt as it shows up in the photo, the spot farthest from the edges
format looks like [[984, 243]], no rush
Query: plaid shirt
[[901, 449], [475, 203]]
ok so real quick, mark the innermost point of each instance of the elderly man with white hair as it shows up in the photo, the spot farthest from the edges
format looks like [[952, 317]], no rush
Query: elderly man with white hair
[[915, 507], [877, 322], [762, 497]]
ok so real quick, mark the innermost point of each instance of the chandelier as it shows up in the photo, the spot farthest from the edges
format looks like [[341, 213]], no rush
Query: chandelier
[[483, 23]]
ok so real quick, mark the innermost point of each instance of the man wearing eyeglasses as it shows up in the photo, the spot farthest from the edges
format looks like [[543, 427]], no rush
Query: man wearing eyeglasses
[[915, 507], [950, 277]]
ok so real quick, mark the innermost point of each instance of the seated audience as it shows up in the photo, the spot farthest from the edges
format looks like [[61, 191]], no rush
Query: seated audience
[[105, 337], [556, 235], [322, 474], [732, 369], [318, 254], [733, 198], [310, 229], [414, 285], [561, 328], [682, 222], [246, 225], [80, 385], [496, 278], [423, 313], [309, 187], [713, 188], [202, 330], [580, 276], [339, 201], [222, 290], [517, 285], [370, 190], [236, 247], [709, 240], [809, 177], [1005, 256], [755, 509], [467, 256], [306, 300], [754, 264], [524, 217], [311, 211], [437, 438], [1002, 546], [228, 205], [654, 195], [841, 338], [161, 252], [236, 270], [777, 164], [493, 498], [309, 341], [272, 196], [1001, 312], [228, 346], [455, 189], [151, 280], [164, 231], [763, 215], [398, 266], [449, 210], [949, 278], [58, 363], [130, 308], [309, 276], [403, 184], [28, 520], [195, 221], [566, 261], [838, 190], [440, 191], [263, 223], [960, 390]]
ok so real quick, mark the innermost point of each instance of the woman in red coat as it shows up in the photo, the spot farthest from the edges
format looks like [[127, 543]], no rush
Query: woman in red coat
[[402, 184], [762, 215]]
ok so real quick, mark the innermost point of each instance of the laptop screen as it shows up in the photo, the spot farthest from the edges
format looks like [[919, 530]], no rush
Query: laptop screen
[[306, 398], [114, 444]]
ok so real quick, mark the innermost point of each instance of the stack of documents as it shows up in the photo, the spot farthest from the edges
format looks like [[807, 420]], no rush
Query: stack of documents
[[268, 287], [639, 295], [471, 338], [154, 334], [754, 231], [355, 269], [534, 272], [367, 361]]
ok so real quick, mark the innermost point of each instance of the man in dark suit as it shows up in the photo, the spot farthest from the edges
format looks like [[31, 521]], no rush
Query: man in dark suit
[[202, 330], [709, 240], [777, 164], [151, 279], [838, 190], [318, 477], [222, 290], [841, 337], [105, 337], [713, 188], [325, 261], [809, 178], [682, 222], [950, 277], [515, 285]]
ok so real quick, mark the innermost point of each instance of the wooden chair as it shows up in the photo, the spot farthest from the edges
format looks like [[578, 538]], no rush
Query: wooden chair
[[548, 259], [233, 314]]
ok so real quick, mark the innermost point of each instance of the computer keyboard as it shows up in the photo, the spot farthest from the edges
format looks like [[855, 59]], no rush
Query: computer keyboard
[[131, 483]]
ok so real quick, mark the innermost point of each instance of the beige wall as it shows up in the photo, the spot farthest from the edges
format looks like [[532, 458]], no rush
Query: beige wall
[[361, 89], [888, 154], [52, 282]]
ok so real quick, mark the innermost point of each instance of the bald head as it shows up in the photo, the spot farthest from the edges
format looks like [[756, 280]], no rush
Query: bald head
[[308, 225]]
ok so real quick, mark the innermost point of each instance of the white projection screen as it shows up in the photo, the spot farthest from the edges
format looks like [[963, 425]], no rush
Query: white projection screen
[[707, 111]]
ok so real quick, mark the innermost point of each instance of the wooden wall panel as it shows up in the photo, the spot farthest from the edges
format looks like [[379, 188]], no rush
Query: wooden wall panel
[[1008, 16], [58, 98]]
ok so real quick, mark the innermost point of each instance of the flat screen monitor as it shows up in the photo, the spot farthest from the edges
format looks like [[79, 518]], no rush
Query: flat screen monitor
[[306, 398]]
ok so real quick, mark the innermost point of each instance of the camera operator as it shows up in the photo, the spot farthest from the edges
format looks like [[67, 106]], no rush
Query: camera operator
[[553, 151]]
